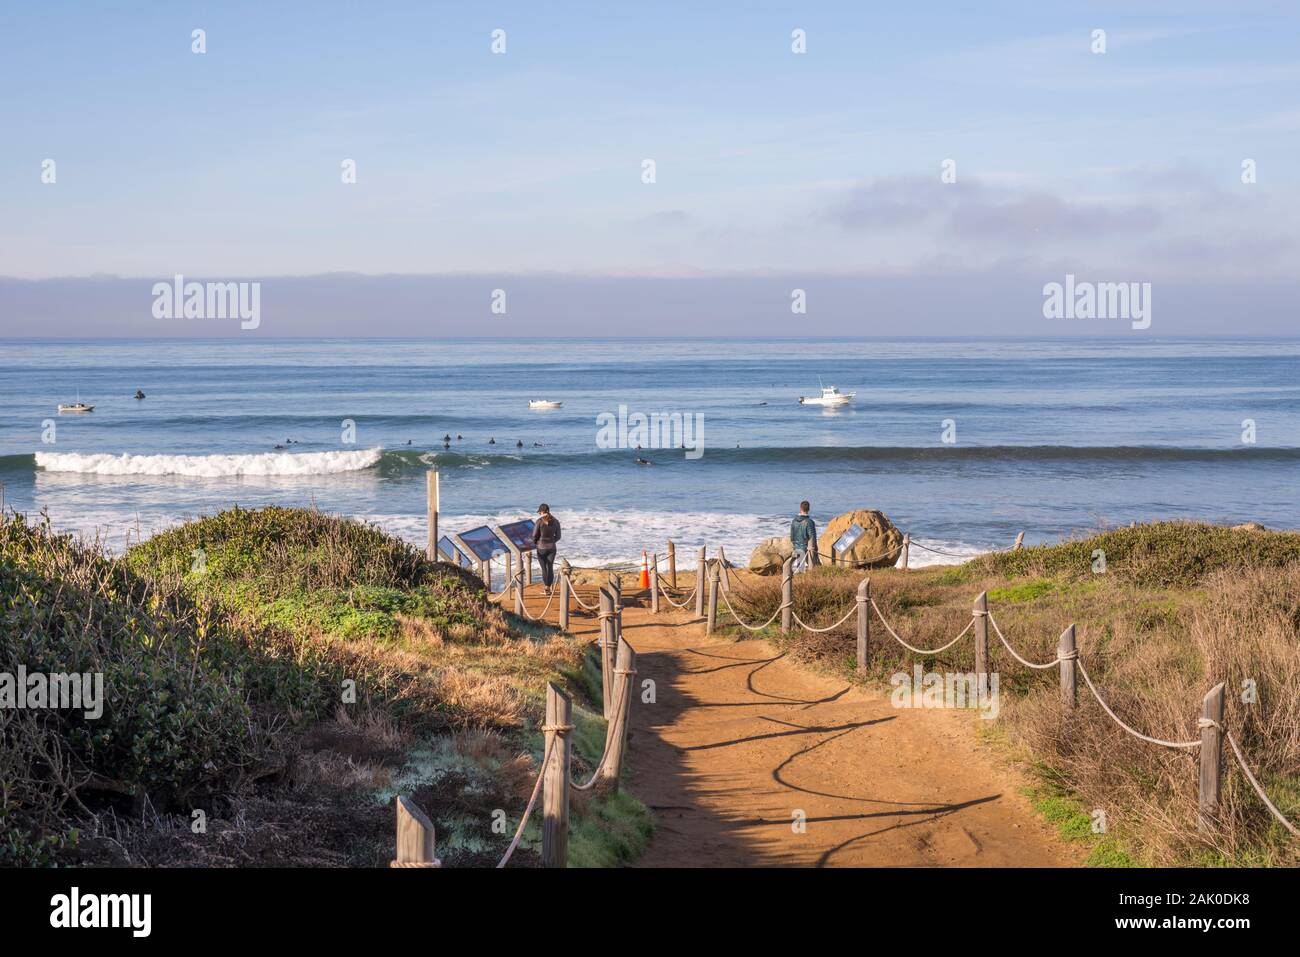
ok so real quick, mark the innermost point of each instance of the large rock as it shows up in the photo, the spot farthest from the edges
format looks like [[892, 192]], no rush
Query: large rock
[[879, 538], [768, 557]]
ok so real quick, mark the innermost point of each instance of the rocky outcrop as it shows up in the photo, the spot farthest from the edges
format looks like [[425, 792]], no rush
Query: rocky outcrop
[[768, 557], [878, 547]]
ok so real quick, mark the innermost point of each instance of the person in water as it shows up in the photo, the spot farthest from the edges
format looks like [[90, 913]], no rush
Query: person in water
[[546, 534], [803, 530]]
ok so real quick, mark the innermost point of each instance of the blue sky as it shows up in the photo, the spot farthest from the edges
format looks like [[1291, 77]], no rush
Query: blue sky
[[1126, 164]]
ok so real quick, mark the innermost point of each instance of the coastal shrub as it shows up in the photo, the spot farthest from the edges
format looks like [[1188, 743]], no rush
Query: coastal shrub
[[1156, 554], [188, 699], [312, 573], [1156, 633]]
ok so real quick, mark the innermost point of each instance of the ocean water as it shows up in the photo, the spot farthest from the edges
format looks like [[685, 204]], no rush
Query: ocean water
[[1052, 437]]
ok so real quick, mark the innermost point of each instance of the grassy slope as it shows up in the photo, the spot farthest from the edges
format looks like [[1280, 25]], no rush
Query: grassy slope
[[230, 647], [1178, 608]]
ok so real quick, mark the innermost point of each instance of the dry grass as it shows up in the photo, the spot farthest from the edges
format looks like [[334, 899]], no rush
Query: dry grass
[[1152, 648]]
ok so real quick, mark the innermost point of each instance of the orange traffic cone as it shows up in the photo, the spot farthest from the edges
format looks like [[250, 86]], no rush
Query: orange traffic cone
[[645, 570]]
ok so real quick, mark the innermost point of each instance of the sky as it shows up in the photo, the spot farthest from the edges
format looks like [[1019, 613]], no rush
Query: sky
[[525, 170]]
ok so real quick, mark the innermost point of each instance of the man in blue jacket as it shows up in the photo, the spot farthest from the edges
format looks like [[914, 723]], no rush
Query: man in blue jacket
[[802, 531]]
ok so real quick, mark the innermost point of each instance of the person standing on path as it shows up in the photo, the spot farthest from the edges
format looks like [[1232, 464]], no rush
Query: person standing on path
[[803, 535], [546, 534]]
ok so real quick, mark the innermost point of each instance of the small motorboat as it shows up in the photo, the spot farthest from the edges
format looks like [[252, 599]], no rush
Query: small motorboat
[[77, 406], [544, 404], [830, 396]]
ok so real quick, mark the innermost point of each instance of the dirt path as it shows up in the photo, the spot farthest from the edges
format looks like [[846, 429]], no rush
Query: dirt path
[[740, 739]]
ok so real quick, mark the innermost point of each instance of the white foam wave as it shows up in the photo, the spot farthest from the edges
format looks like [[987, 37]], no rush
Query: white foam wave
[[210, 466], [599, 538]]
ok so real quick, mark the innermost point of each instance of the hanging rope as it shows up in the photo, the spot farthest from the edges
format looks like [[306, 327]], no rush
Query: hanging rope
[[919, 651], [818, 631], [1137, 734], [727, 601], [1241, 760], [615, 732], [532, 801], [1028, 664]]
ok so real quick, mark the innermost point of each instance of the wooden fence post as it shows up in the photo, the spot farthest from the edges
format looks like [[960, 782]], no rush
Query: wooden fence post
[[787, 594], [1211, 757], [907, 544], [415, 844], [726, 575], [564, 601], [616, 589], [616, 729], [606, 649], [518, 585], [672, 564], [431, 512], [864, 622], [1020, 542], [510, 571], [555, 779], [528, 560], [701, 570], [1069, 655], [715, 575], [981, 613], [654, 584]]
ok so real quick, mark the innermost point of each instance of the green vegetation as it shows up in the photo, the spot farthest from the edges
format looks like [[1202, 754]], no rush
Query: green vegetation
[[279, 669], [1177, 608]]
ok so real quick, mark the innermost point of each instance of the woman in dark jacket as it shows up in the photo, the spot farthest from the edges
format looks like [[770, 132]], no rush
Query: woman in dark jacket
[[546, 533]]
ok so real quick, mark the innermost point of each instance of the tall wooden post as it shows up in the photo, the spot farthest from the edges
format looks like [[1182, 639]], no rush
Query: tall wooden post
[[672, 564], [564, 602], [1020, 542], [616, 729], [1211, 757], [981, 613], [907, 544], [518, 585], [654, 584], [555, 781], [431, 511], [1069, 655], [864, 622], [415, 840], [701, 571], [510, 570], [787, 594], [606, 650], [616, 588], [714, 575], [726, 575]]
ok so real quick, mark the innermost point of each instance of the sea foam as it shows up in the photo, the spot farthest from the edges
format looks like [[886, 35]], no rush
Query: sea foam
[[210, 466]]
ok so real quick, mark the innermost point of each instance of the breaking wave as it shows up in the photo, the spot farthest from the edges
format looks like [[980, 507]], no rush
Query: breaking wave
[[210, 466]]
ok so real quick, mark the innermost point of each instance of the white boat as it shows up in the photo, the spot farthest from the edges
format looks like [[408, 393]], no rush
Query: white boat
[[544, 404], [830, 396], [77, 406]]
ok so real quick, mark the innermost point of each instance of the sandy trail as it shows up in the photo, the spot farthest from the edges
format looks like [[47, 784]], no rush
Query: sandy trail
[[740, 739]]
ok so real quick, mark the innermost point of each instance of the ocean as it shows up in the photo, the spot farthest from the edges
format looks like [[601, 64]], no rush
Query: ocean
[[1052, 437]]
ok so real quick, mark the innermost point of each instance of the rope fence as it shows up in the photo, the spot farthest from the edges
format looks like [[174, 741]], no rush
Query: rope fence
[[553, 783]]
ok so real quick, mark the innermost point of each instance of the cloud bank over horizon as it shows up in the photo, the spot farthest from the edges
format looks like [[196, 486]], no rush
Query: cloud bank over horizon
[[914, 172]]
